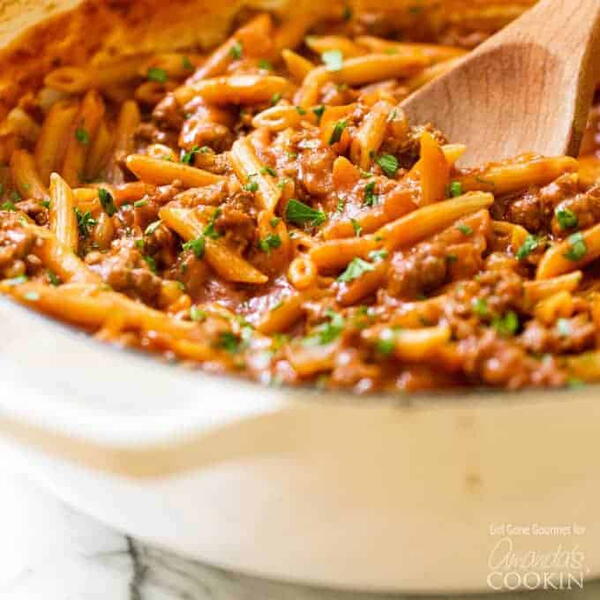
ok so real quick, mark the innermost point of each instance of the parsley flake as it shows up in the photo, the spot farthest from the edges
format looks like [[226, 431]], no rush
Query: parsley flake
[[506, 325], [326, 332], [152, 227], [82, 136], [157, 75], [269, 242], [85, 221], [370, 197], [388, 163], [107, 201], [197, 246], [197, 314], [338, 130], [236, 51], [378, 255], [578, 247], [566, 218], [229, 342], [266, 170], [356, 269], [301, 214], [531, 243], [265, 64], [455, 189], [187, 158], [318, 111], [357, 227]]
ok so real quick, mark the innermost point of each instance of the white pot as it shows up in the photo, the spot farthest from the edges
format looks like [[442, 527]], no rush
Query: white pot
[[362, 493]]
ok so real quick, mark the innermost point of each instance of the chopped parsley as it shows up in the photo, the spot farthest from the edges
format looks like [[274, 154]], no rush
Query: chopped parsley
[[370, 197], [8, 205], [45, 203], [333, 60], [229, 342], [107, 201], [531, 243], [274, 221], [301, 214], [356, 269], [566, 218], [197, 314], [480, 307], [340, 205], [197, 246], [275, 98], [388, 163], [187, 158], [52, 278], [152, 227], [266, 170], [82, 136], [465, 229], [236, 51], [318, 111], [265, 64], [326, 332], [300, 110], [506, 325], [269, 243], [357, 227], [338, 129], [386, 342], [378, 255], [157, 75], [151, 262], [187, 64], [455, 189], [578, 247], [251, 185], [85, 221], [209, 230], [140, 203]]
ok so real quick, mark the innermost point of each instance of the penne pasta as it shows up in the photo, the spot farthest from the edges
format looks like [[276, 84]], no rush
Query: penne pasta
[[63, 222], [82, 137], [49, 146], [26, 177], [513, 175], [236, 89], [250, 172], [431, 219], [161, 172], [574, 253], [224, 261]]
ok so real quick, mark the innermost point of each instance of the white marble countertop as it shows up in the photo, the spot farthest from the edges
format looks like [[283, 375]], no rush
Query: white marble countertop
[[50, 552]]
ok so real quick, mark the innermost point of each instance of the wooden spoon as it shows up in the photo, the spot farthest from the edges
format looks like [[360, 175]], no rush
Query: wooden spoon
[[526, 89]]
